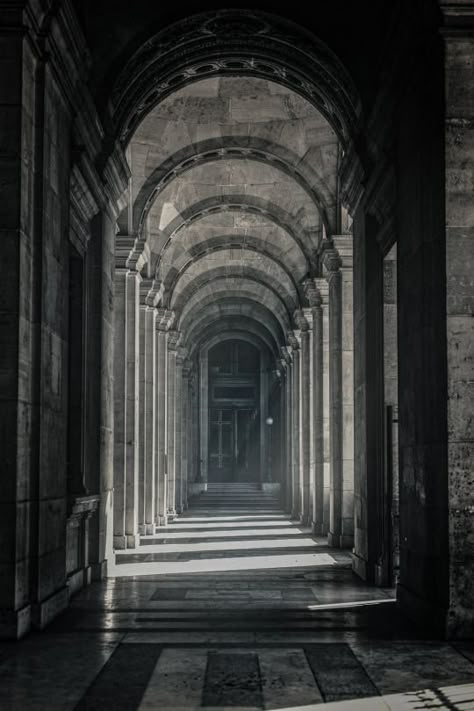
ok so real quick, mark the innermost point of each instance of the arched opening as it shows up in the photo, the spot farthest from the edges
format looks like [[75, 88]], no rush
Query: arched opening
[[236, 352], [235, 444], [236, 248]]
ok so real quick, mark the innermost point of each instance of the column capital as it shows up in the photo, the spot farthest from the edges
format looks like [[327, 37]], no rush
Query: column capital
[[323, 289], [300, 320], [312, 293], [164, 319], [123, 248], [173, 338], [286, 353], [145, 286], [181, 354], [293, 340], [150, 292], [344, 245], [330, 257], [458, 15], [139, 254], [308, 315]]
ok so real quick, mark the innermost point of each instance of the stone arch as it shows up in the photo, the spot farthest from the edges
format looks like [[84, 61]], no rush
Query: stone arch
[[243, 203], [249, 290], [176, 299], [244, 312], [234, 42], [176, 254], [239, 148], [208, 340], [240, 262]]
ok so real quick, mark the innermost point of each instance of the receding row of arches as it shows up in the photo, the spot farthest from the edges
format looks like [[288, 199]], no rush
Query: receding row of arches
[[230, 192]]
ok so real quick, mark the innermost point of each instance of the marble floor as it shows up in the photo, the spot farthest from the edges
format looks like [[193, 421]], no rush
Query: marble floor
[[234, 606]]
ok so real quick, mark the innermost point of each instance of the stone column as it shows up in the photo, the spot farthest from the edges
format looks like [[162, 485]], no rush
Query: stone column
[[317, 393], [204, 416], [195, 444], [325, 453], [305, 423], [284, 429], [339, 275], [144, 288], [148, 427], [173, 337], [179, 407], [343, 244], [126, 409], [99, 388], [150, 424], [119, 407], [288, 503], [295, 420], [163, 321], [186, 433]]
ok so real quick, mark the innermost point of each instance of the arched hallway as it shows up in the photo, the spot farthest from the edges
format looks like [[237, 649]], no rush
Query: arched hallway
[[236, 348]]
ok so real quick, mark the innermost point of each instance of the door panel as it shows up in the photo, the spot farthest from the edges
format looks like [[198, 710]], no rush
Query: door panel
[[221, 444]]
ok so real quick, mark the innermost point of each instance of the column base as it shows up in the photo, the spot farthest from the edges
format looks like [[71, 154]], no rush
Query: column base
[[171, 514], [339, 540], [120, 542], [141, 529], [318, 529], [359, 566], [163, 520], [15, 624], [78, 580], [306, 520], [295, 515], [44, 612], [99, 571], [149, 529], [133, 540]]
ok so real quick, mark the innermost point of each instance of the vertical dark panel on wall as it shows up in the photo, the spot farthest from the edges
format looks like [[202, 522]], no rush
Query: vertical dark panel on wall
[[423, 587], [368, 397]]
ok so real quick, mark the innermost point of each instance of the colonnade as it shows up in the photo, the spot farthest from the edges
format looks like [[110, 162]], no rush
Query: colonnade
[[154, 397], [161, 406], [317, 398]]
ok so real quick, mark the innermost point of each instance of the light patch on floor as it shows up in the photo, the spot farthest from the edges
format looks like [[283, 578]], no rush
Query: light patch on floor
[[211, 565], [256, 544]]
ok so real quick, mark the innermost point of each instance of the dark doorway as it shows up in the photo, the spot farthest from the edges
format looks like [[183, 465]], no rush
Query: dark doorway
[[234, 417]]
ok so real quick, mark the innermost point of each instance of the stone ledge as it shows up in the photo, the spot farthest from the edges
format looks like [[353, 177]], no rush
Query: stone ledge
[[79, 579], [359, 566], [15, 624], [99, 570], [340, 540], [44, 612]]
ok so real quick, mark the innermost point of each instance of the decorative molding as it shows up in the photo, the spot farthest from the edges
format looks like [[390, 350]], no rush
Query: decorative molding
[[323, 289], [173, 340], [234, 42], [164, 319], [300, 320], [293, 340], [312, 293]]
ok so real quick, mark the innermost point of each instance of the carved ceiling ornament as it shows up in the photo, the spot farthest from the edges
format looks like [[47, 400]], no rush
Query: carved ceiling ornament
[[234, 42]]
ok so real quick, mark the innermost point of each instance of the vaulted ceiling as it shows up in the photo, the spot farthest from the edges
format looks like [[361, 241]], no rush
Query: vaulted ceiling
[[234, 183]]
